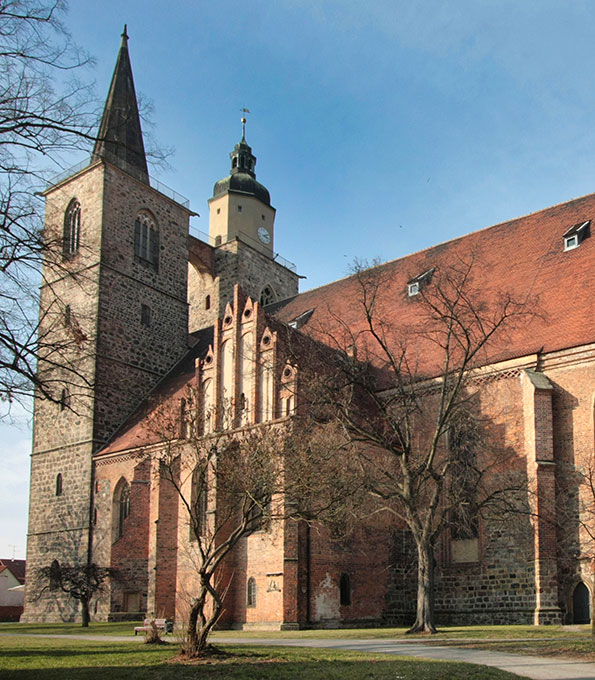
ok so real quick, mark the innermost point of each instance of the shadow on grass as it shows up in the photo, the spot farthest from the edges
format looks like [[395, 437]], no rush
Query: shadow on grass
[[97, 628], [70, 652], [247, 664], [267, 669]]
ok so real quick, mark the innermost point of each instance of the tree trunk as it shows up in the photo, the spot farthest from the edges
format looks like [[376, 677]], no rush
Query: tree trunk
[[192, 642], [199, 623], [85, 613], [424, 620]]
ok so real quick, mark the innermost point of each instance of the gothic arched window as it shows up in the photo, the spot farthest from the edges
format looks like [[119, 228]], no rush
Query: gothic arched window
[[55, 575], [267, 296], [124, 506], [121, 508], [72, 230], [146, 238], [198, 503], [251, 592]]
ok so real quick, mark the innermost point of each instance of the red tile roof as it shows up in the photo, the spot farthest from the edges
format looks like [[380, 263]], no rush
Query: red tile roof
[[16, 568], [524, 258], [136, 431]]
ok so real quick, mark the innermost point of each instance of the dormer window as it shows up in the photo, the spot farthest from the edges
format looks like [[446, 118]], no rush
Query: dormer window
[[576, 235], [415, 285], [302, 319]]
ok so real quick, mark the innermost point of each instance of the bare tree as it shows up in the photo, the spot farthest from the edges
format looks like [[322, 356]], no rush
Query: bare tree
[[45, 113], [79, 581], [231, 485], [405, 397], [575, 525]]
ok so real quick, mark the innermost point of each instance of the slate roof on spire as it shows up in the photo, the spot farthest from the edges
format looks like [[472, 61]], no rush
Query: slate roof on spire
[[120, 137]]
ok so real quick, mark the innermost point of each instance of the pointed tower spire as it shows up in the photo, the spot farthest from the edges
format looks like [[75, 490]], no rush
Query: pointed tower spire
[[120, 138]]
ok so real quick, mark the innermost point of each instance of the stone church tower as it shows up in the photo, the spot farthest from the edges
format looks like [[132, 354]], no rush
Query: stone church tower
[[116, 302]]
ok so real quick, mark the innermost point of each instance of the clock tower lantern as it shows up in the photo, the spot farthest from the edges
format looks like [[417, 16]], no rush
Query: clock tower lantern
[[240, 248], [241, 207]]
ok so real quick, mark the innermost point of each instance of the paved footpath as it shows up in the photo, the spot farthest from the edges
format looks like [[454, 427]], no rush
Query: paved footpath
[[536, 667]]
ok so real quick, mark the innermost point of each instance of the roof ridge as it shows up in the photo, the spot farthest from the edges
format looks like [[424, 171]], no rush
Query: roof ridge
[[448, 241]]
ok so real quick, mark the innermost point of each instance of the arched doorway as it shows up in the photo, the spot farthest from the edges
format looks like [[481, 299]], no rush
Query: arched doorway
[[581, 604]]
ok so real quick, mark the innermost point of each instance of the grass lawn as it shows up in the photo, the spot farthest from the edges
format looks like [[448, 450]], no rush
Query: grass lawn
[[27, 658], [120, 628], [445, 633]]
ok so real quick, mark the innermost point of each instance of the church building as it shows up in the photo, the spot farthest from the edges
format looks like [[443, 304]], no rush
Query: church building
[[146, 312]]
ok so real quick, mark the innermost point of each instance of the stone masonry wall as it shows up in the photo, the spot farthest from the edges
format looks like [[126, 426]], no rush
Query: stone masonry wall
[[117, 359], [500, 586], [58, 527], [203, 299], [63, 434], [237, 262], [138, 354]]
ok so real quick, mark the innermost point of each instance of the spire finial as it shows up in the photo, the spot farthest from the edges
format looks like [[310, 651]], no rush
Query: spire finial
[[244, 124], [125, 33]]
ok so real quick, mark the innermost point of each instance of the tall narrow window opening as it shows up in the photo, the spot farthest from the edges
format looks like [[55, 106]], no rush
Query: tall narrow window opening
[[59, 484], [55, 575], [72, 230], [64, 399], [198, 503], [124, 507], [146, 239], [345, 590], [251, 592], [145, 315], [120, 508]]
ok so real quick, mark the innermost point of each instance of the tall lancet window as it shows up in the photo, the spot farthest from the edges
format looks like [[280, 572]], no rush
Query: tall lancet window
[[146, 238], [120, 508], [72, 230]]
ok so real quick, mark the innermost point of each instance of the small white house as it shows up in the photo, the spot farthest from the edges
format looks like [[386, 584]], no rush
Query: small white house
[[12, 593]]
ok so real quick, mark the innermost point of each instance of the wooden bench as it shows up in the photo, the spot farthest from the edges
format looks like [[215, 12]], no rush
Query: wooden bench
[[165, 625]]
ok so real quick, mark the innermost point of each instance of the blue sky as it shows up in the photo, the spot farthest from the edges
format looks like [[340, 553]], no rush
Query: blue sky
[[380, 128]]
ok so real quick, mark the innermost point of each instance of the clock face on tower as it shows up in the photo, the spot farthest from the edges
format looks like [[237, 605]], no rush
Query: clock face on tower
[[263, 235]]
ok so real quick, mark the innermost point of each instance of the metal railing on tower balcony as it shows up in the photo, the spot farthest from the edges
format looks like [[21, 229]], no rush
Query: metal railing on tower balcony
[[207, 238], [153, 183]]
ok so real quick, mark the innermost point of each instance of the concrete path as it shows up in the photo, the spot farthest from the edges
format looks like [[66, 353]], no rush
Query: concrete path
[[539, 668], [536, 667]]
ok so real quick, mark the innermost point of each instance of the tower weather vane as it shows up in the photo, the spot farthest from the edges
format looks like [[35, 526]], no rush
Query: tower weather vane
[[244, 122]]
